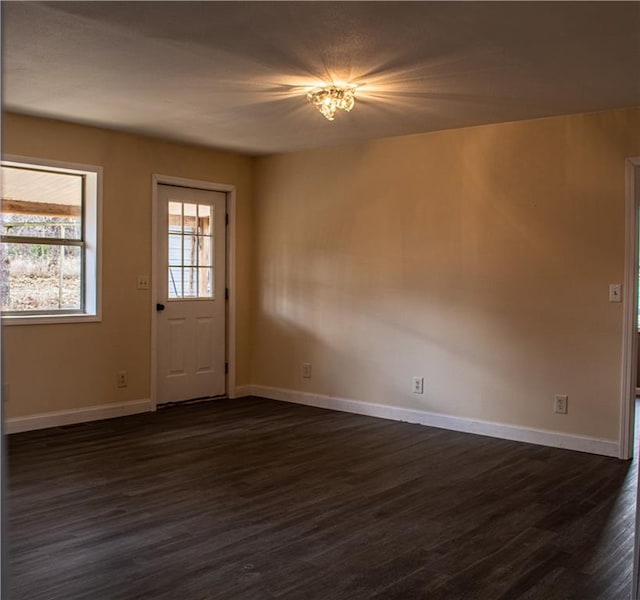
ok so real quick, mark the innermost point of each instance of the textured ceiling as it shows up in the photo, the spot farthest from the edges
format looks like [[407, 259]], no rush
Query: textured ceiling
[[234, 75]]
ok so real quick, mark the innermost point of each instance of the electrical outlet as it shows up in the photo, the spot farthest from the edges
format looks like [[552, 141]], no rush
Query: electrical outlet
[[561, 404], [123, 379], [143, 282], [417, 385], [306, 370]]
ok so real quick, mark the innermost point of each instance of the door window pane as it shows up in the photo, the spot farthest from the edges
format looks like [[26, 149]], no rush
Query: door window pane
[[189, 257], [190, 283], [205, 218], [205, 288], [204, 252], [175, 217], [175, 249], [190, 212], [175, 282]]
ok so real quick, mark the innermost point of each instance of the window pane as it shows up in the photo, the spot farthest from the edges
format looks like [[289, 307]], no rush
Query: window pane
[[175, 282], [204, 252], [38, 225], [190, 217], [189, 258], [175, 216], [41, 203], [205, 218], [175, 249], [204, 284], [41, 277], [190, 283]]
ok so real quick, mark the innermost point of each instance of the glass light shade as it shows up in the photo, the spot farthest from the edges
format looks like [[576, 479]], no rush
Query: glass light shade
[[332, 98]]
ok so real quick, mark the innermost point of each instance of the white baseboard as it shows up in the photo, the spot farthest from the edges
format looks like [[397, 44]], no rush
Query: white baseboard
[[240, 391], [76, 415], [488, 428], [498, 430]]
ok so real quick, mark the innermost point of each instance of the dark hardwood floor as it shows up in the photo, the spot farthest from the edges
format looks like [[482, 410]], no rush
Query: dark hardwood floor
[[254, 499]]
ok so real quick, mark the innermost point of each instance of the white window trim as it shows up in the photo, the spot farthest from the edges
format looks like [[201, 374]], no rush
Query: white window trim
[[93, 244]]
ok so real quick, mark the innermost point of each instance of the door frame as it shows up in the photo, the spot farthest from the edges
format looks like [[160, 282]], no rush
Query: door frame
[[630, 310], [230, 275], [630, 342]]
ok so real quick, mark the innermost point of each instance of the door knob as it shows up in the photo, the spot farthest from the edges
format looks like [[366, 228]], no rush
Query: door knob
[[159, 307]]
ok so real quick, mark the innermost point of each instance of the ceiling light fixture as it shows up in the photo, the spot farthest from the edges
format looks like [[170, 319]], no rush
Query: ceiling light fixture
[[331, 98]]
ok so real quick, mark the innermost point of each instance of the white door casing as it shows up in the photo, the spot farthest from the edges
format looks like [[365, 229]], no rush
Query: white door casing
[[630, 311], [190, 287]]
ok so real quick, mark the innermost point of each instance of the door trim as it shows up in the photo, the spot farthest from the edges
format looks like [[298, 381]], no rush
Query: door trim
[[230, 275], [628, 389], [630, 309]]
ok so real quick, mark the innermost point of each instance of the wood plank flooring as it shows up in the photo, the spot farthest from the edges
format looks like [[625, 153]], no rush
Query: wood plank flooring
[[253, 499]]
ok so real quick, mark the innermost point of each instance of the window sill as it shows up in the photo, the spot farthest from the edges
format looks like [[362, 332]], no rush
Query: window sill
[[9, 320]]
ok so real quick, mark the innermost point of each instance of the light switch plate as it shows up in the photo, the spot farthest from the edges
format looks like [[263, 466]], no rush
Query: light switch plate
[[143, 282], [615, 292]]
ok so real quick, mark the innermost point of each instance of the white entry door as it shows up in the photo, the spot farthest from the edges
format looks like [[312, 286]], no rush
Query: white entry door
[[190, 310]]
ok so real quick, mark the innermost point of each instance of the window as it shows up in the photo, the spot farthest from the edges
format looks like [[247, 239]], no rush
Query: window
[[50, 265], [190, 250]]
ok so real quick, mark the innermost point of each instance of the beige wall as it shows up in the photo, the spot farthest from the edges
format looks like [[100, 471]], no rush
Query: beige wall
[[59, 367], [477, 258]]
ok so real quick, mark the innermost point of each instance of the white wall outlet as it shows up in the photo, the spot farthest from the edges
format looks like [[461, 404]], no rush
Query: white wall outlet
[[122, 379], [561, 404], [615, 292], [306, 370], [417, 385], [143, 282]]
